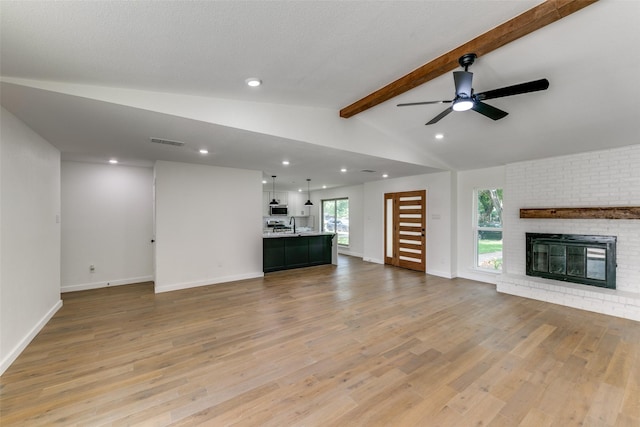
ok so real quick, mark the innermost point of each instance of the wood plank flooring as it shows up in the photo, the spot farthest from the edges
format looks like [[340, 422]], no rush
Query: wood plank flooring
[[360, 344]]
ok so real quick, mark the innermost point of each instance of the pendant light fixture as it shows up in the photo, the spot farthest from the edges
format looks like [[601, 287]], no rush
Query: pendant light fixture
[[308, 194], [273, 201]]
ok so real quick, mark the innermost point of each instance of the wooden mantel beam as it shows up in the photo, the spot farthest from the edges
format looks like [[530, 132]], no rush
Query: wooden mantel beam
[[523, 24], [605, 212]]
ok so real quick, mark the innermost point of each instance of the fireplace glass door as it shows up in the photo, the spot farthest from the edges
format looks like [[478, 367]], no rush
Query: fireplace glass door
[[575, 261], [596, 263], [541, 257], [589, 261], [557, 259]]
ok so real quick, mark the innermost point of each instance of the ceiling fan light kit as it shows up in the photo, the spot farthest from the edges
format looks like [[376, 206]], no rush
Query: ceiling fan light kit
[[465, 99], [462, 104]]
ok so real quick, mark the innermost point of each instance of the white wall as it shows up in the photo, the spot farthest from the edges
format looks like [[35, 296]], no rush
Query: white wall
[[30, 231], [107, 222], [355, 194], [208, 225], [468, 182], [441, 208]]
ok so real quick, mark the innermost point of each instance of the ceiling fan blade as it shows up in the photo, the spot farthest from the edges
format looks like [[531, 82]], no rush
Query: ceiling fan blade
[[532, 86], [463, 80], [424, 103], [439, 116], [489, 111]]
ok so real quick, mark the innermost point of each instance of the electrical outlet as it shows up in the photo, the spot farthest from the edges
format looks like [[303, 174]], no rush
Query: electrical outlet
[[92, 268]]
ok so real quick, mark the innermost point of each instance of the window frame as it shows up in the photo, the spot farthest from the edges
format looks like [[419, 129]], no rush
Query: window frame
[[335, 214], [476, 229]]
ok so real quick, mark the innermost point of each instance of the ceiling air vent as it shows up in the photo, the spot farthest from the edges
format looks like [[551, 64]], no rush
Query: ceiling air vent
[[367, 171], [167, 142]]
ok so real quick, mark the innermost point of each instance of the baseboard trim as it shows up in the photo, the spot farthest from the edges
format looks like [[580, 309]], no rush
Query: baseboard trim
[[207, 282], [24, 342], [105, 284], [349, 253], [480, 277], [438, 273]]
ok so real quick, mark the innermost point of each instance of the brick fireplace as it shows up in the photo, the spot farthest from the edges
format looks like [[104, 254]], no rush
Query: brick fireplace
[[577, 258], [604, 178]]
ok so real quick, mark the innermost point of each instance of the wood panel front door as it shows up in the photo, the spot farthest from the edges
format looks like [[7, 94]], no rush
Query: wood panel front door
[[404, 236]]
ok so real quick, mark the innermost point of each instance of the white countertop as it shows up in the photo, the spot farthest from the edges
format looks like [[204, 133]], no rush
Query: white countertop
[[270, 235]]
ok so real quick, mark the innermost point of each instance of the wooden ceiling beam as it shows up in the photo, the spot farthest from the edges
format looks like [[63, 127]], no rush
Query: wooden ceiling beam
[[523, 24]]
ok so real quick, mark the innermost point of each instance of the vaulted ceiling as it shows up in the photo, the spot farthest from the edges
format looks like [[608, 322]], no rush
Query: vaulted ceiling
[[98, 79]]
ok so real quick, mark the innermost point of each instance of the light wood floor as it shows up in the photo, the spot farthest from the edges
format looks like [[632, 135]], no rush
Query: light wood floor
[[358, 344]]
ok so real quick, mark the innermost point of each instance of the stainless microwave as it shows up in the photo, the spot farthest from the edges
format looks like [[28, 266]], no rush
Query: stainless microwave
[[278, 210]]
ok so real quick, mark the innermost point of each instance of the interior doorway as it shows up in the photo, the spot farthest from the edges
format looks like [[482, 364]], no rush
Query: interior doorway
[[405, 229]]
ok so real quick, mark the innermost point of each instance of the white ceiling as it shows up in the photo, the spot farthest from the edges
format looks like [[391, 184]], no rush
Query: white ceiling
[[320, 55]]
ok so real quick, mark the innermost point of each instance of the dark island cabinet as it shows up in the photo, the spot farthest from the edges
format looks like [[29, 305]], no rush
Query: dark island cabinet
[[272, 255], [320, 250], [282, 253]]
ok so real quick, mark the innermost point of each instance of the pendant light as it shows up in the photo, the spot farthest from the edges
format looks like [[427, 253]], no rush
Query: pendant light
[[273, 201], [308, 194]]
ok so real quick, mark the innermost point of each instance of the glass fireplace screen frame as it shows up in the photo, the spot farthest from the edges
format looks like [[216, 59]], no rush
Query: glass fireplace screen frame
[[585, 259]]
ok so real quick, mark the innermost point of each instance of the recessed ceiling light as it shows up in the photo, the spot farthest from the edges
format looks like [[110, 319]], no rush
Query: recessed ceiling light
[[253, 82], [299, 190], [324, 186], [385, 175], [204, 151], [285, 162], [113, 161], [264, 181], [439, 136], [343, 170]]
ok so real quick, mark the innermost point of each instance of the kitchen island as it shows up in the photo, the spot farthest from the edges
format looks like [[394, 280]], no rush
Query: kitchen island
[[282, 251]]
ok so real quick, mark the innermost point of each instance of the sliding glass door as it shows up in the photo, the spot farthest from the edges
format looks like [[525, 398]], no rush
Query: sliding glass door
[[335, 219]]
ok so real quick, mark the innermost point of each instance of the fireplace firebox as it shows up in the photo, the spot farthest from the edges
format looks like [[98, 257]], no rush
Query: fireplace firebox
[[585, 259]]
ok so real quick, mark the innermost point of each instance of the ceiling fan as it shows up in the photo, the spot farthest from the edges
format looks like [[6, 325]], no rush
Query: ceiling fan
[[465, 99]]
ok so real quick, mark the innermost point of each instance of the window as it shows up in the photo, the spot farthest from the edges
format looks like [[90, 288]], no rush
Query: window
[[335, 219], [488, 229]]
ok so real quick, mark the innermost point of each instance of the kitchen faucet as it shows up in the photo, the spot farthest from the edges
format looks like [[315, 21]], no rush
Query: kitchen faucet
[[293, 218]]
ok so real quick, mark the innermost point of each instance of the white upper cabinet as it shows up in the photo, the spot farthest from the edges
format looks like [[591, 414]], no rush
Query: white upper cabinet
[[295, 201], [282, 198]]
